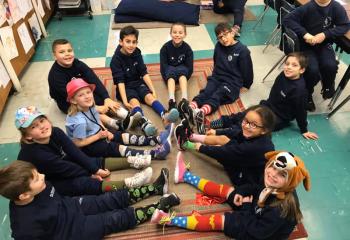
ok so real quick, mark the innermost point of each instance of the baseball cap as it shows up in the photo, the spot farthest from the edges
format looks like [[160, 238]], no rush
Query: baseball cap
[[26, 115]]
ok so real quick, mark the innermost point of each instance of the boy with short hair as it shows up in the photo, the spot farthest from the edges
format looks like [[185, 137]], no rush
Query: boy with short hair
[[317, 23], [66, 67], [232, 73], [37, 211], [134, 83]]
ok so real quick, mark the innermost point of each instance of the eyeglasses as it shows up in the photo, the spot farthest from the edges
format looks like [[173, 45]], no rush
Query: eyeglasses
[[223, 35], [251, 125]]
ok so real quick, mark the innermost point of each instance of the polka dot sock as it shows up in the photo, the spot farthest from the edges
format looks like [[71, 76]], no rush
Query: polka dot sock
[[212, 222]]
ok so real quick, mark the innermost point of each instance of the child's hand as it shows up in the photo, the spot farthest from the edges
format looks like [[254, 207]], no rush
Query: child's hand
[[102, 109], [110, 104], [198, 145], [243, 90], [103, 134], [220, 4], [319, 38], [99, 178], [128, 105], [310, 135], [103, 173], [110, 136], [247, 199], [238, 199], [211, 132]]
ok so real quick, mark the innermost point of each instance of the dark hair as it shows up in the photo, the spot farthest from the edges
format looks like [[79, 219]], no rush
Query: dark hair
[[302, 59], [15, 179], [222, 27], [178, 23], [61, 41], [268, 118], [128, 30]]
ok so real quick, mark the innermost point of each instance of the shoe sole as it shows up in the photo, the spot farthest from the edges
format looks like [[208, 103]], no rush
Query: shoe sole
[[176, 172], [136, 120], [173, 115], [166, 182], [176, 138]]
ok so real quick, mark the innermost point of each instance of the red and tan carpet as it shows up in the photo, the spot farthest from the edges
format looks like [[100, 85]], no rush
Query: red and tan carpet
[[200, 165]]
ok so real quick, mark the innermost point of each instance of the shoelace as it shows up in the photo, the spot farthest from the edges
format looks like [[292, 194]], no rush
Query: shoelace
[[166, 219], [135, 180], [140, 161]]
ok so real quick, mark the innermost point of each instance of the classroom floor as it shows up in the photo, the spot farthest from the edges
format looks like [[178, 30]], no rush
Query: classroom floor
[[326, 208]]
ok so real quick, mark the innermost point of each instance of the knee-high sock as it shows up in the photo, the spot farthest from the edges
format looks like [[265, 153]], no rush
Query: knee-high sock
[[114, 164], [139, 140], [206, 109], [136, 109], [199, 223], [158, 107], [136, 194], [127, 151], [208, 187]]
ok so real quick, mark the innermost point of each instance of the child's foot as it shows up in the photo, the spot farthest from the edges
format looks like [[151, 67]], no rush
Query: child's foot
[[180, 136], [160, 217], [139, 161], [171, 116], [139, 179], [162, 151], [172, 104], [198, 116], [166, 134], [180, 168], [185, 110], [162, 182], [136, 118], [168, 201], [147, 127], [187, 127]]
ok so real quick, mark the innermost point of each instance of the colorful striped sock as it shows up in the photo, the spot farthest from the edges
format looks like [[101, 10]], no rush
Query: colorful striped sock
[[212, 222], [206, 108]]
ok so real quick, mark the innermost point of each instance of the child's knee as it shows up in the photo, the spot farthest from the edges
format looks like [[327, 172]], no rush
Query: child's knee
[[149, 98]]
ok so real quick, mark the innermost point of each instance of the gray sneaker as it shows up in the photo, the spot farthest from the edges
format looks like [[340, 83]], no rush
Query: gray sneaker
[[139, 179]]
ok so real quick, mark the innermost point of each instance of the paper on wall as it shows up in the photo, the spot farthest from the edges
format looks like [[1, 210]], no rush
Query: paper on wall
[[40, 8], [47, 4], [8, 41], [25, 37], [2, 14], [4, 76], [25, 6], [15, 10], [35, 27]]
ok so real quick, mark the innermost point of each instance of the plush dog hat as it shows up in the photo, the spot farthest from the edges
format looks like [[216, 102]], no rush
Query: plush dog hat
[[295, 169]]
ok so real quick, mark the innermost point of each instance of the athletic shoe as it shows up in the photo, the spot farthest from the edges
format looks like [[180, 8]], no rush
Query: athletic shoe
[[136, 119], [139, 161], [162, 182], [172, 115], [185, 110], [172, 104], [166, 134], [180, 136], [180, 168], [168, 201], [187, 127], [162, 151], [198, 116], [139, 179], [328, 93], [147, 127], [161, 217]]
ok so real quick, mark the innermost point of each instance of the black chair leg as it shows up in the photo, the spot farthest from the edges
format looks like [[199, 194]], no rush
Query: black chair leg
[[338, 107], [273, 68]]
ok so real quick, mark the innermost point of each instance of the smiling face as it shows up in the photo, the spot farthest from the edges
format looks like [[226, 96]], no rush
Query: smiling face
[[274, 177], [252, 125], [128, 44], [177, 33], [64, 55], [292, 68], [39, 131], [84, 98]]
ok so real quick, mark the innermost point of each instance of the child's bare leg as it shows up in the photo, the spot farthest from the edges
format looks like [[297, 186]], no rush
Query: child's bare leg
[[167, 118], [109, 122], [171, 88], [183, 86], [216, 140]]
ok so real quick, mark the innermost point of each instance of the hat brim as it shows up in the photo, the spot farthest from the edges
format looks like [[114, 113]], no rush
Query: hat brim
[[71, 95], [30, 120]]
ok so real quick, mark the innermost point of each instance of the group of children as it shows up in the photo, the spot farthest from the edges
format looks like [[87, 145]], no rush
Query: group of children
[[77, 202]]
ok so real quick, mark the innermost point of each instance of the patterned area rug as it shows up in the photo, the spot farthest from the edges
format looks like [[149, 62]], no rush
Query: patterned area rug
[[202, 68], [201, 165]]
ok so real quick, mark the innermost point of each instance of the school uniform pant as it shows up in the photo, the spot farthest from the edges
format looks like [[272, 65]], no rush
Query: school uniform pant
[[105, 214], [175, 72], [322, 65], [236, 7], [215, 94], [102, 148], [84, 185]]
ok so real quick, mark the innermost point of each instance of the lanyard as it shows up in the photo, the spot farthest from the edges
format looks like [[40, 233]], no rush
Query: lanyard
[[94, 120]]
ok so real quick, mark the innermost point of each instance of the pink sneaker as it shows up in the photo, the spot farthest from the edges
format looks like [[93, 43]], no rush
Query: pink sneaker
[[160, 217], [180, 168]]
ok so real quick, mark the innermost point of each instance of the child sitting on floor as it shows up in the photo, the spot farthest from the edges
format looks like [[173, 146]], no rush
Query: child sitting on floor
[[37, 211], [176, 62], [70, 170], [240, 150], [134, 83], [84, 127], [232, 73], [267, 211]]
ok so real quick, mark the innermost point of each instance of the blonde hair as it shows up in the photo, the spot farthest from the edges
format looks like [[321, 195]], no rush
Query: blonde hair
[[289, 207], [74, 108]]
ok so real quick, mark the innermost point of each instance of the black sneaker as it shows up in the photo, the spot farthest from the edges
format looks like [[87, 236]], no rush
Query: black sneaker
[[172, 104], [187, 127], [185, 110], [199, 120], [311, 105], [168, 201], [327, 93], [162, 182], [180, 136]]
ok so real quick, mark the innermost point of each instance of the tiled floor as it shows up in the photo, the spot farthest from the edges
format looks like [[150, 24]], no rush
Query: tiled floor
[[326, 207]]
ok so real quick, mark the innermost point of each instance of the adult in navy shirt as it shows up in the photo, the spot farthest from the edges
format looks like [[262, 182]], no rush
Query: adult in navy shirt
[[317, 23]]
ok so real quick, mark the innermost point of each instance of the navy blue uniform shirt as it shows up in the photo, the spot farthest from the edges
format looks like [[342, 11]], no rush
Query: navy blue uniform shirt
[[128, 69]]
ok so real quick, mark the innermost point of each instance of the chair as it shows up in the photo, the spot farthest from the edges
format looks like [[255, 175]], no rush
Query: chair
[[290, 43], [284, 9], [268, 4]]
